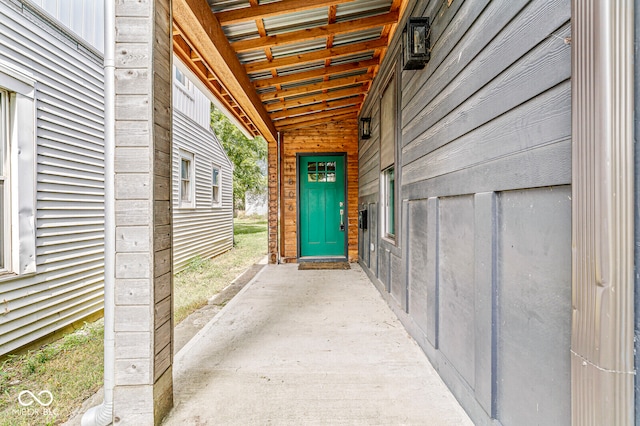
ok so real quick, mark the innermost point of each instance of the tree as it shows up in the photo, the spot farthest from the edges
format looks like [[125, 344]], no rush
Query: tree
[[246, 154]]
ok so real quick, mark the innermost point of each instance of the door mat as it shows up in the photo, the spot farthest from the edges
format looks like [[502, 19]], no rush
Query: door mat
[[309, 266]]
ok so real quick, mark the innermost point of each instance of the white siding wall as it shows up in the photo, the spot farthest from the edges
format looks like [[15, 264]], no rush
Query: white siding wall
[[84, 17], [68, 284], [204, 230]]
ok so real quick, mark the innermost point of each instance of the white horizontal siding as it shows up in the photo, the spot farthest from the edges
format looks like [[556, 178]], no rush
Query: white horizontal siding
[[204, 230], [68, 284]]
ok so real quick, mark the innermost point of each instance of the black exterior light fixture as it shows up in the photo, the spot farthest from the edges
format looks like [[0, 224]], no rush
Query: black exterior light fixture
[[365, 127], [416, 47]]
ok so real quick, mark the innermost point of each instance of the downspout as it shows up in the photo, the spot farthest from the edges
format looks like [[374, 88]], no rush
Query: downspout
[[278, 225], [102, 415]]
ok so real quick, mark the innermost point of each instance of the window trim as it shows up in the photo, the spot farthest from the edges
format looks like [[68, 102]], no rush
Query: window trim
[[218, 202], [20, 145], [385, 191], [190, 157]]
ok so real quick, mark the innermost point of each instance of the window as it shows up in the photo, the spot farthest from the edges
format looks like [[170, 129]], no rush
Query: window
[[17, 172], [321, 171], [388, 121], [187, 174], [389, 191], [216, 199], [180, 77]]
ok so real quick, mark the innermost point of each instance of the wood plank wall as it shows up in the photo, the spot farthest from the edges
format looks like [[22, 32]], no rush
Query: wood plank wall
[[340, 137]]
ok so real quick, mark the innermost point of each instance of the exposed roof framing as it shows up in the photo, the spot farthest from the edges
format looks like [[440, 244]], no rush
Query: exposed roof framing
[[287, 63]]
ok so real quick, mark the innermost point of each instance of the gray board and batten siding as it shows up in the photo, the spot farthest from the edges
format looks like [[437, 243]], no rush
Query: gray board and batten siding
[[204, 229], [480, 269], [67, 282]]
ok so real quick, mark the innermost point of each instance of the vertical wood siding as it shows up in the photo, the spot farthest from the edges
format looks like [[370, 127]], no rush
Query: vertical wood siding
[[84, 17], [204, 230], [67, 286], [480, 272]]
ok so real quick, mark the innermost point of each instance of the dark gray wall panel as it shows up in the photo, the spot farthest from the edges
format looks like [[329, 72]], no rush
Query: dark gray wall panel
[[485, 298], [433, 270], [456, 284], [637, 204], [418, 253], [384, 266], [534, 310], [373, 238], [397, 286]]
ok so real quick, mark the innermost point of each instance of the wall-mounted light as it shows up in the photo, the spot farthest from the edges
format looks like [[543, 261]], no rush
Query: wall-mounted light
[[416, 47], [365, 127]]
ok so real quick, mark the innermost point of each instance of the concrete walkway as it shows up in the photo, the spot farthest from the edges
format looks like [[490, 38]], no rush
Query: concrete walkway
[[308, 348]]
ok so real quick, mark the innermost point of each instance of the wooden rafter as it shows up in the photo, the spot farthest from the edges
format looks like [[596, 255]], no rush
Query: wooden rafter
[[352, 115], [320, 55], [315, 98], [321, 72], [317, 87], [315, 33], [248, 14], [320, 115], [209, 40], [319, 107]]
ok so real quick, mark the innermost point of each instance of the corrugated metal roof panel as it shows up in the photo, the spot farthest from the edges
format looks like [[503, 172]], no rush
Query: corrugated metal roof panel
[[361, 8], [219, 5], [298, 48], [252, 56], [242, 31], [358, 36], [296, 21]]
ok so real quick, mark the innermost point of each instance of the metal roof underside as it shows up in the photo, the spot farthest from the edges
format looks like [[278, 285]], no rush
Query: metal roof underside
[[308, 61]]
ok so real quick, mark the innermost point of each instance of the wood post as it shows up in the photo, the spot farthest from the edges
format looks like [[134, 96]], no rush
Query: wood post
[[143, 391]]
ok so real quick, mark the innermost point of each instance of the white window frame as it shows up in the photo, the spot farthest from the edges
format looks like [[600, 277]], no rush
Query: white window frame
[[216, 202], [190, 200], [19, 197], [388, 193], [5, 193]]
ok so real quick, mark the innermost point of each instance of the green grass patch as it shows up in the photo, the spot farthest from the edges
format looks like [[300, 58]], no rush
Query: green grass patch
[[72, 367], [204, 278]]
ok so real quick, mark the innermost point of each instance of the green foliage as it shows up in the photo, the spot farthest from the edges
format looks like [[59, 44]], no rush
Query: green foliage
[[246, 155]]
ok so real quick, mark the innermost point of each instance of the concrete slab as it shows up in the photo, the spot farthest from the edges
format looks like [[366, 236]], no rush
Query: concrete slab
[[308, 347]]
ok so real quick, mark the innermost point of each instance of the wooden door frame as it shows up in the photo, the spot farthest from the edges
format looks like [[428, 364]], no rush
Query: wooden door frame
[[345, 256]]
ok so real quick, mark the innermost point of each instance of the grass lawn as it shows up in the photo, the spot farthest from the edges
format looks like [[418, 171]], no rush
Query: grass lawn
[[71, 369]]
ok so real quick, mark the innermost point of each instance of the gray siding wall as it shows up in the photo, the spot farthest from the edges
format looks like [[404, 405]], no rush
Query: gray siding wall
[[68, 283], [480, 272], [204, 230]]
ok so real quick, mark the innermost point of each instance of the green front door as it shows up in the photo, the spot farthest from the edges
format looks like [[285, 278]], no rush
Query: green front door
[[323, 211]]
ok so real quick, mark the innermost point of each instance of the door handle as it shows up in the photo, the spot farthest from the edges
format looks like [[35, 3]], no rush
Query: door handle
[[341, 219]]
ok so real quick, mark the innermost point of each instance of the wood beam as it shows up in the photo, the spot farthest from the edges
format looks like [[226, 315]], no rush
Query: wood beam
[[315, 33], [319, 97], [317, 121], [319, 107], [321, 72], [317, 87], [247, 14], [305, 58], [207, 37], [317, 116]]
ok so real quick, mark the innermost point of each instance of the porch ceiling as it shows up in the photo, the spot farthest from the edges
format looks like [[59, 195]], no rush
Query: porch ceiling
[[286, 64]]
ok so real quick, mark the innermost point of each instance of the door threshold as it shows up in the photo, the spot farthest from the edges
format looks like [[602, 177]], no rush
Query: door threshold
[[322, 259]]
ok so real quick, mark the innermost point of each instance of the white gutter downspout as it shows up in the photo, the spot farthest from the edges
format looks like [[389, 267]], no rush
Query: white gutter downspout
[[102, 415]]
